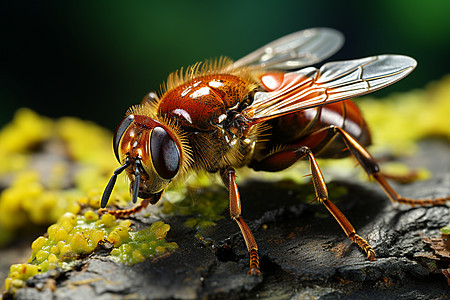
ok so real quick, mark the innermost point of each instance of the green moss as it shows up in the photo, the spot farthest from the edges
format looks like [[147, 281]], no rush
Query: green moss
[[445, 230], [144, 244], [75, 236], [204, 207]]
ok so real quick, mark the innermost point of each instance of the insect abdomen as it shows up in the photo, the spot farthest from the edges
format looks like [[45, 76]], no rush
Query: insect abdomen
[[308, 128]]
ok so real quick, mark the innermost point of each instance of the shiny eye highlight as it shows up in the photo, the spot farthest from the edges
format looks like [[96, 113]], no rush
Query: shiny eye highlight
[[165, 153], [123, 126]]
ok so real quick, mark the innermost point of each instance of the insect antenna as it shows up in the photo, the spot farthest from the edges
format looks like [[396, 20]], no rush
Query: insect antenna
[[137, 179], [112, 182]]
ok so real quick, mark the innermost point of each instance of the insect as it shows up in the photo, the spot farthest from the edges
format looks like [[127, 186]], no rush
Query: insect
[[220, 115]]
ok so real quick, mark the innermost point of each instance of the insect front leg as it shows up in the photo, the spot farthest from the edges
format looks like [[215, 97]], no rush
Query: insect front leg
[[371, 167], [289, 156], [124, 213], [229, 180]]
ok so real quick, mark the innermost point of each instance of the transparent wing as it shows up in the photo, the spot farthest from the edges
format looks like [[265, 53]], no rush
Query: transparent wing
[[296, 50], [334, 81]]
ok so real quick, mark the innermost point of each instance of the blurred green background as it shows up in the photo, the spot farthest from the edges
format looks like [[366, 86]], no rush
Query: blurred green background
[[93, 59]]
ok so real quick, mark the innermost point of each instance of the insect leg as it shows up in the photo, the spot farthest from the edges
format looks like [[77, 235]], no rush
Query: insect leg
[[371, 167], [289, 156], [229, 180], [123, 213], [322, 196]]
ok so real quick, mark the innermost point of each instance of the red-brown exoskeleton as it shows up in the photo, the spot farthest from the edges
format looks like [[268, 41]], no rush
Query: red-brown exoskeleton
[[221, 115]]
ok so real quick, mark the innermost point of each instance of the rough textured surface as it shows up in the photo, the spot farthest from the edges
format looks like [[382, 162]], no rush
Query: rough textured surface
[[304, 253]]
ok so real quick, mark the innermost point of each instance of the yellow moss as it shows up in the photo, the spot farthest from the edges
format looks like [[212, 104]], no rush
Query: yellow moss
[[66, 252], [61, 235], [70, 237], [91, 216], [160, 229], [115, 239], [28, 201], [144, 244], [399, 120], [445, 230], [74, 235], [108, 220], [160, 249], [74, 208], [58, 173], [401, 169], [41, 255], [38, 243], [55, 250], [78, 243], [207, 209], [53, 259], [14, 200], [125, 223], [26, 129], [138, 256], [22, 272], [66, 225], [96, 236]]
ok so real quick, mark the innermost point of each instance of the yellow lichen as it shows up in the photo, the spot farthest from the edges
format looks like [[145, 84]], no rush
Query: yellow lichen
[[40, 198], [73, 236], [144, 244], [26, 130], [399, 120], [204, 211]]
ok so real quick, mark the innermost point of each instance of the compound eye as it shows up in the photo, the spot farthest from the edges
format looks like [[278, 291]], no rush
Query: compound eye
[[165, 153], [120, 131]]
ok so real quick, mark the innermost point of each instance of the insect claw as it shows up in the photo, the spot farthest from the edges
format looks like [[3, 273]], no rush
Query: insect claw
[[371, 256], [254, 272]]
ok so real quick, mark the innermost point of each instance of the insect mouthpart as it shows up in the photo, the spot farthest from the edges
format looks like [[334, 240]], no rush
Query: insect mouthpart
[[112, 181], [137, 178]]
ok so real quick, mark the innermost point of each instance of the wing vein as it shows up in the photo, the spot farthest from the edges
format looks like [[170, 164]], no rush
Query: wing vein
[[334, 81]]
